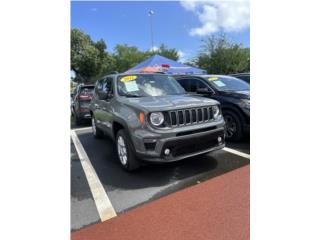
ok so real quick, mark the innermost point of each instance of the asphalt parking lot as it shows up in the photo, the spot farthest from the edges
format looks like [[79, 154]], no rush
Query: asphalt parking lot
[[130, 190]]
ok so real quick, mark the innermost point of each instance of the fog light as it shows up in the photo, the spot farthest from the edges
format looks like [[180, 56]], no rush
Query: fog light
[[167, 151], [219, 139]]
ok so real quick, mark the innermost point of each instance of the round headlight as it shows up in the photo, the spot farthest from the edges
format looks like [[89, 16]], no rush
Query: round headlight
[[216, 112], [156, 118]]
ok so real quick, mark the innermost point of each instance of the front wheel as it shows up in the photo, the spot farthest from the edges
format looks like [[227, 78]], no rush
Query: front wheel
[[234, 129], [126, 153]]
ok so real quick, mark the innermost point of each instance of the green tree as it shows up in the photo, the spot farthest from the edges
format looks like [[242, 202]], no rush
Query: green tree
[[89, 59], [164, 51], [127, 57], [220, 56]]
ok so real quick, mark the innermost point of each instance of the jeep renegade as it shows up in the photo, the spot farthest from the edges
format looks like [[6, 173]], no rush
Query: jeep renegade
[[151, 117]]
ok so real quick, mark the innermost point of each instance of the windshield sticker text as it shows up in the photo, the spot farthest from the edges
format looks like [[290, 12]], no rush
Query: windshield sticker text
[[212, 78], [131, 86], [128, 78], [219, 83]]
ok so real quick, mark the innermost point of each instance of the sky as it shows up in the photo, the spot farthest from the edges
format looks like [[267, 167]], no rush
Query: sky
[[177, 24]]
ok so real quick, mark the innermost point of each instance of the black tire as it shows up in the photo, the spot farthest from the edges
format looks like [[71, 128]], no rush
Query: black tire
[[77, 120], [96, 131], [234, 129], [132, 162]]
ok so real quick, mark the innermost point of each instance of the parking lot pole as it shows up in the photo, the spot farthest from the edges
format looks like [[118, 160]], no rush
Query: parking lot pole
[[151, 13]]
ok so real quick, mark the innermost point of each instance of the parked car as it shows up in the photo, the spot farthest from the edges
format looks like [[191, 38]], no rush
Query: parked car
[[233, 95], [151, 118], [80, 104], [71, 103], [243, 76]]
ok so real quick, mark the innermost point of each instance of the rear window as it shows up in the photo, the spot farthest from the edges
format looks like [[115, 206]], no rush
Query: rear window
[[84, 103], [87, 90]]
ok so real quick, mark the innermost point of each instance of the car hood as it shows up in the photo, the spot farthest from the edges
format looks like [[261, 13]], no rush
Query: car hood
[[237, 94], [169, 102]]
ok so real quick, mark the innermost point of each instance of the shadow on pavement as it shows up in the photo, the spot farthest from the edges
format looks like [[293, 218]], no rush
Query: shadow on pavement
[[102, 153]]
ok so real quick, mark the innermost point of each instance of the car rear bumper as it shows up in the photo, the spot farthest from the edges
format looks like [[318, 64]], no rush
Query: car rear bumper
[[181, 147]]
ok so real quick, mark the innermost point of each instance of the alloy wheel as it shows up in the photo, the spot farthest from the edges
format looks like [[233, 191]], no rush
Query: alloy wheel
[[94, 128], [231, 126], [122, 151]]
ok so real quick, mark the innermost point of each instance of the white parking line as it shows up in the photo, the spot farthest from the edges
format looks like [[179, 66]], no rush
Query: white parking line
[[241, 154], [103, 204], [83, 128]]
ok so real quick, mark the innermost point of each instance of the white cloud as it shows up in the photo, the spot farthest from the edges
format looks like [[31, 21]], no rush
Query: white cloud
[[182, 56], [216, 15], [154, 48]]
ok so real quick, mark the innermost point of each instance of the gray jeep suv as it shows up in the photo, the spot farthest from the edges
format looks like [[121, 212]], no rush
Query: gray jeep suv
[[150, 117]]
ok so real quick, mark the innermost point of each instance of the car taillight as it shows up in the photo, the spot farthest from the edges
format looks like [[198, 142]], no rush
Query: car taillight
[[84, 97]]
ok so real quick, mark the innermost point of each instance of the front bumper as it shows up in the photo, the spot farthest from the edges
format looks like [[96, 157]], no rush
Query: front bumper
[[203, 141]]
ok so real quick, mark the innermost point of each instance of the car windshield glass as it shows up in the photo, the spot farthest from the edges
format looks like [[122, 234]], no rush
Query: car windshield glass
[[228, 83], [148, 85]]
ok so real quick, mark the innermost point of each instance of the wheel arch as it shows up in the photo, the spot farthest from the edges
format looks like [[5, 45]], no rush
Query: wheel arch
[[235, 109], [116, 126]]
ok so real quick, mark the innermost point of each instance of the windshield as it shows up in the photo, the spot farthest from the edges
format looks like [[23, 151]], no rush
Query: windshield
[[148, 86], [228, 83]]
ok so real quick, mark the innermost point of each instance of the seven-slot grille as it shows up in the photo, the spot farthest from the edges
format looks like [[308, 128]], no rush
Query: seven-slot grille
[[191, 116]]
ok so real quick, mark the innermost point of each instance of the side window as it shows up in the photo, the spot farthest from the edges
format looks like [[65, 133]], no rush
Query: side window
[[195, 84], [107, 85], [99, 85], [185, 84], [192, 84], [98, 88], [104, 89]]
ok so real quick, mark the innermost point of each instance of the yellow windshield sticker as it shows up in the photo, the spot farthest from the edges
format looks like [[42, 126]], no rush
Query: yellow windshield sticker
[[128, 78], [212, 78]]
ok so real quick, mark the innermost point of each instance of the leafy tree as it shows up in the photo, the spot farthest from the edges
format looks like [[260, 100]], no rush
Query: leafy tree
[[89, 59], [127, 57], [83, 55], [218, 55], [164, 51]]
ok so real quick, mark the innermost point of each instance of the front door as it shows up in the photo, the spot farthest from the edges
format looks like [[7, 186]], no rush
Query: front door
[[105, 106]]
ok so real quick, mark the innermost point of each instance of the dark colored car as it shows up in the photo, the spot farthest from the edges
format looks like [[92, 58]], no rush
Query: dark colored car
[[81, 99], [233, 95], [150, 117], [243, 76]]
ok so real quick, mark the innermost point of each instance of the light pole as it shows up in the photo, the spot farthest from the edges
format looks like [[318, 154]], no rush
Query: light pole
[[151, 13]]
